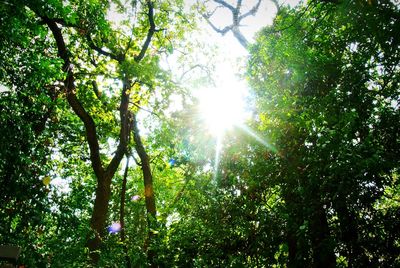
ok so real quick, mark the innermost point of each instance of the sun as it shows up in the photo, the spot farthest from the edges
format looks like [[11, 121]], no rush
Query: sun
[[222, 108]]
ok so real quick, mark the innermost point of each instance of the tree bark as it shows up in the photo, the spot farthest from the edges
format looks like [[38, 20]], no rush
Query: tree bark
[[122, 213], [148, 191], [321, 241], [147, 175], [350, 235], [99, 217]]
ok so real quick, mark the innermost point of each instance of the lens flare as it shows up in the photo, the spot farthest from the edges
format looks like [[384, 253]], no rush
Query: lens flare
[[114, 228], [46, 180], [135, 198]]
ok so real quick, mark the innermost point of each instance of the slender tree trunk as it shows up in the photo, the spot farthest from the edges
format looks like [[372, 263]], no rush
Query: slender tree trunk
[[122, 213], [148, 190], [147, 176]]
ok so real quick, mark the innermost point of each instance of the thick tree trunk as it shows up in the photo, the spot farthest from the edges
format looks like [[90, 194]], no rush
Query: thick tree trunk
[[349, 235], [99, 217], [321, 241]]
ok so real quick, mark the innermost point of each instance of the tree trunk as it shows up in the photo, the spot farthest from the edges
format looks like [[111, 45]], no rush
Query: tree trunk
[[99, 217], [147, 176], [148, 189], [292, 247], [122, 214], [349, 235], [321, 241]]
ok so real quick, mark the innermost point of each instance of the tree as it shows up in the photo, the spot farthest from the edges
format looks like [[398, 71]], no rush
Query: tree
[[80, 37], [327, 92], [26, 104]]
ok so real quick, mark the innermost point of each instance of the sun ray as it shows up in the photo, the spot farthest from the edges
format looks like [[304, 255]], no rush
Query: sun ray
[[252, 133], [218, 149]]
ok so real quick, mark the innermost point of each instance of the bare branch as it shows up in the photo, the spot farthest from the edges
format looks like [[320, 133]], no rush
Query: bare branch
[[196, 66], [210, 14], [237, 17], [252, 11], [144, 109], [277, 5], [215, 28], [138, 163], [225, 4]]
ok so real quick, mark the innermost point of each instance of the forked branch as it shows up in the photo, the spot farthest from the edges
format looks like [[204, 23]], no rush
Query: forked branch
[[237, 17]]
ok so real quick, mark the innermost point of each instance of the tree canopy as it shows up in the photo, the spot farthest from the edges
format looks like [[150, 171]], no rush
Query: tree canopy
[[106, 159]]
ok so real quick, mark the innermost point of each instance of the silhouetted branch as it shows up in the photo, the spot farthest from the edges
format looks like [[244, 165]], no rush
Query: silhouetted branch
[[251, 12], [237, 17]]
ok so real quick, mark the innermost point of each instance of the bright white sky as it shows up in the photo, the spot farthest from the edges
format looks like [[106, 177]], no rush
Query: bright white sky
[[223, 105], [251, 24]]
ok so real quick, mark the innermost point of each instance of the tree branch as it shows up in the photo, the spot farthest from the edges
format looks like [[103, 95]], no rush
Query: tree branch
[[125, 128], [144, 109], [225, 4], [92, 45], [150, 33], [252, 11], [77, 107], [215, 28], [277, 5], [237, 17]]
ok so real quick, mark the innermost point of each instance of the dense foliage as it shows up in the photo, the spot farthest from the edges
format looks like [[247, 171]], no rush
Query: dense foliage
[[328, 91], [85, 127]]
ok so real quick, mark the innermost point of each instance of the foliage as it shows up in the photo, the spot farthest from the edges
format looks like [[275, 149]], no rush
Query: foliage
[[314, 184], [328, 96]]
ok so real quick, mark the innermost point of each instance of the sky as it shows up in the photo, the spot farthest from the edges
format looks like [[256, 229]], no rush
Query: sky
[[231, 58], [251, 24]]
